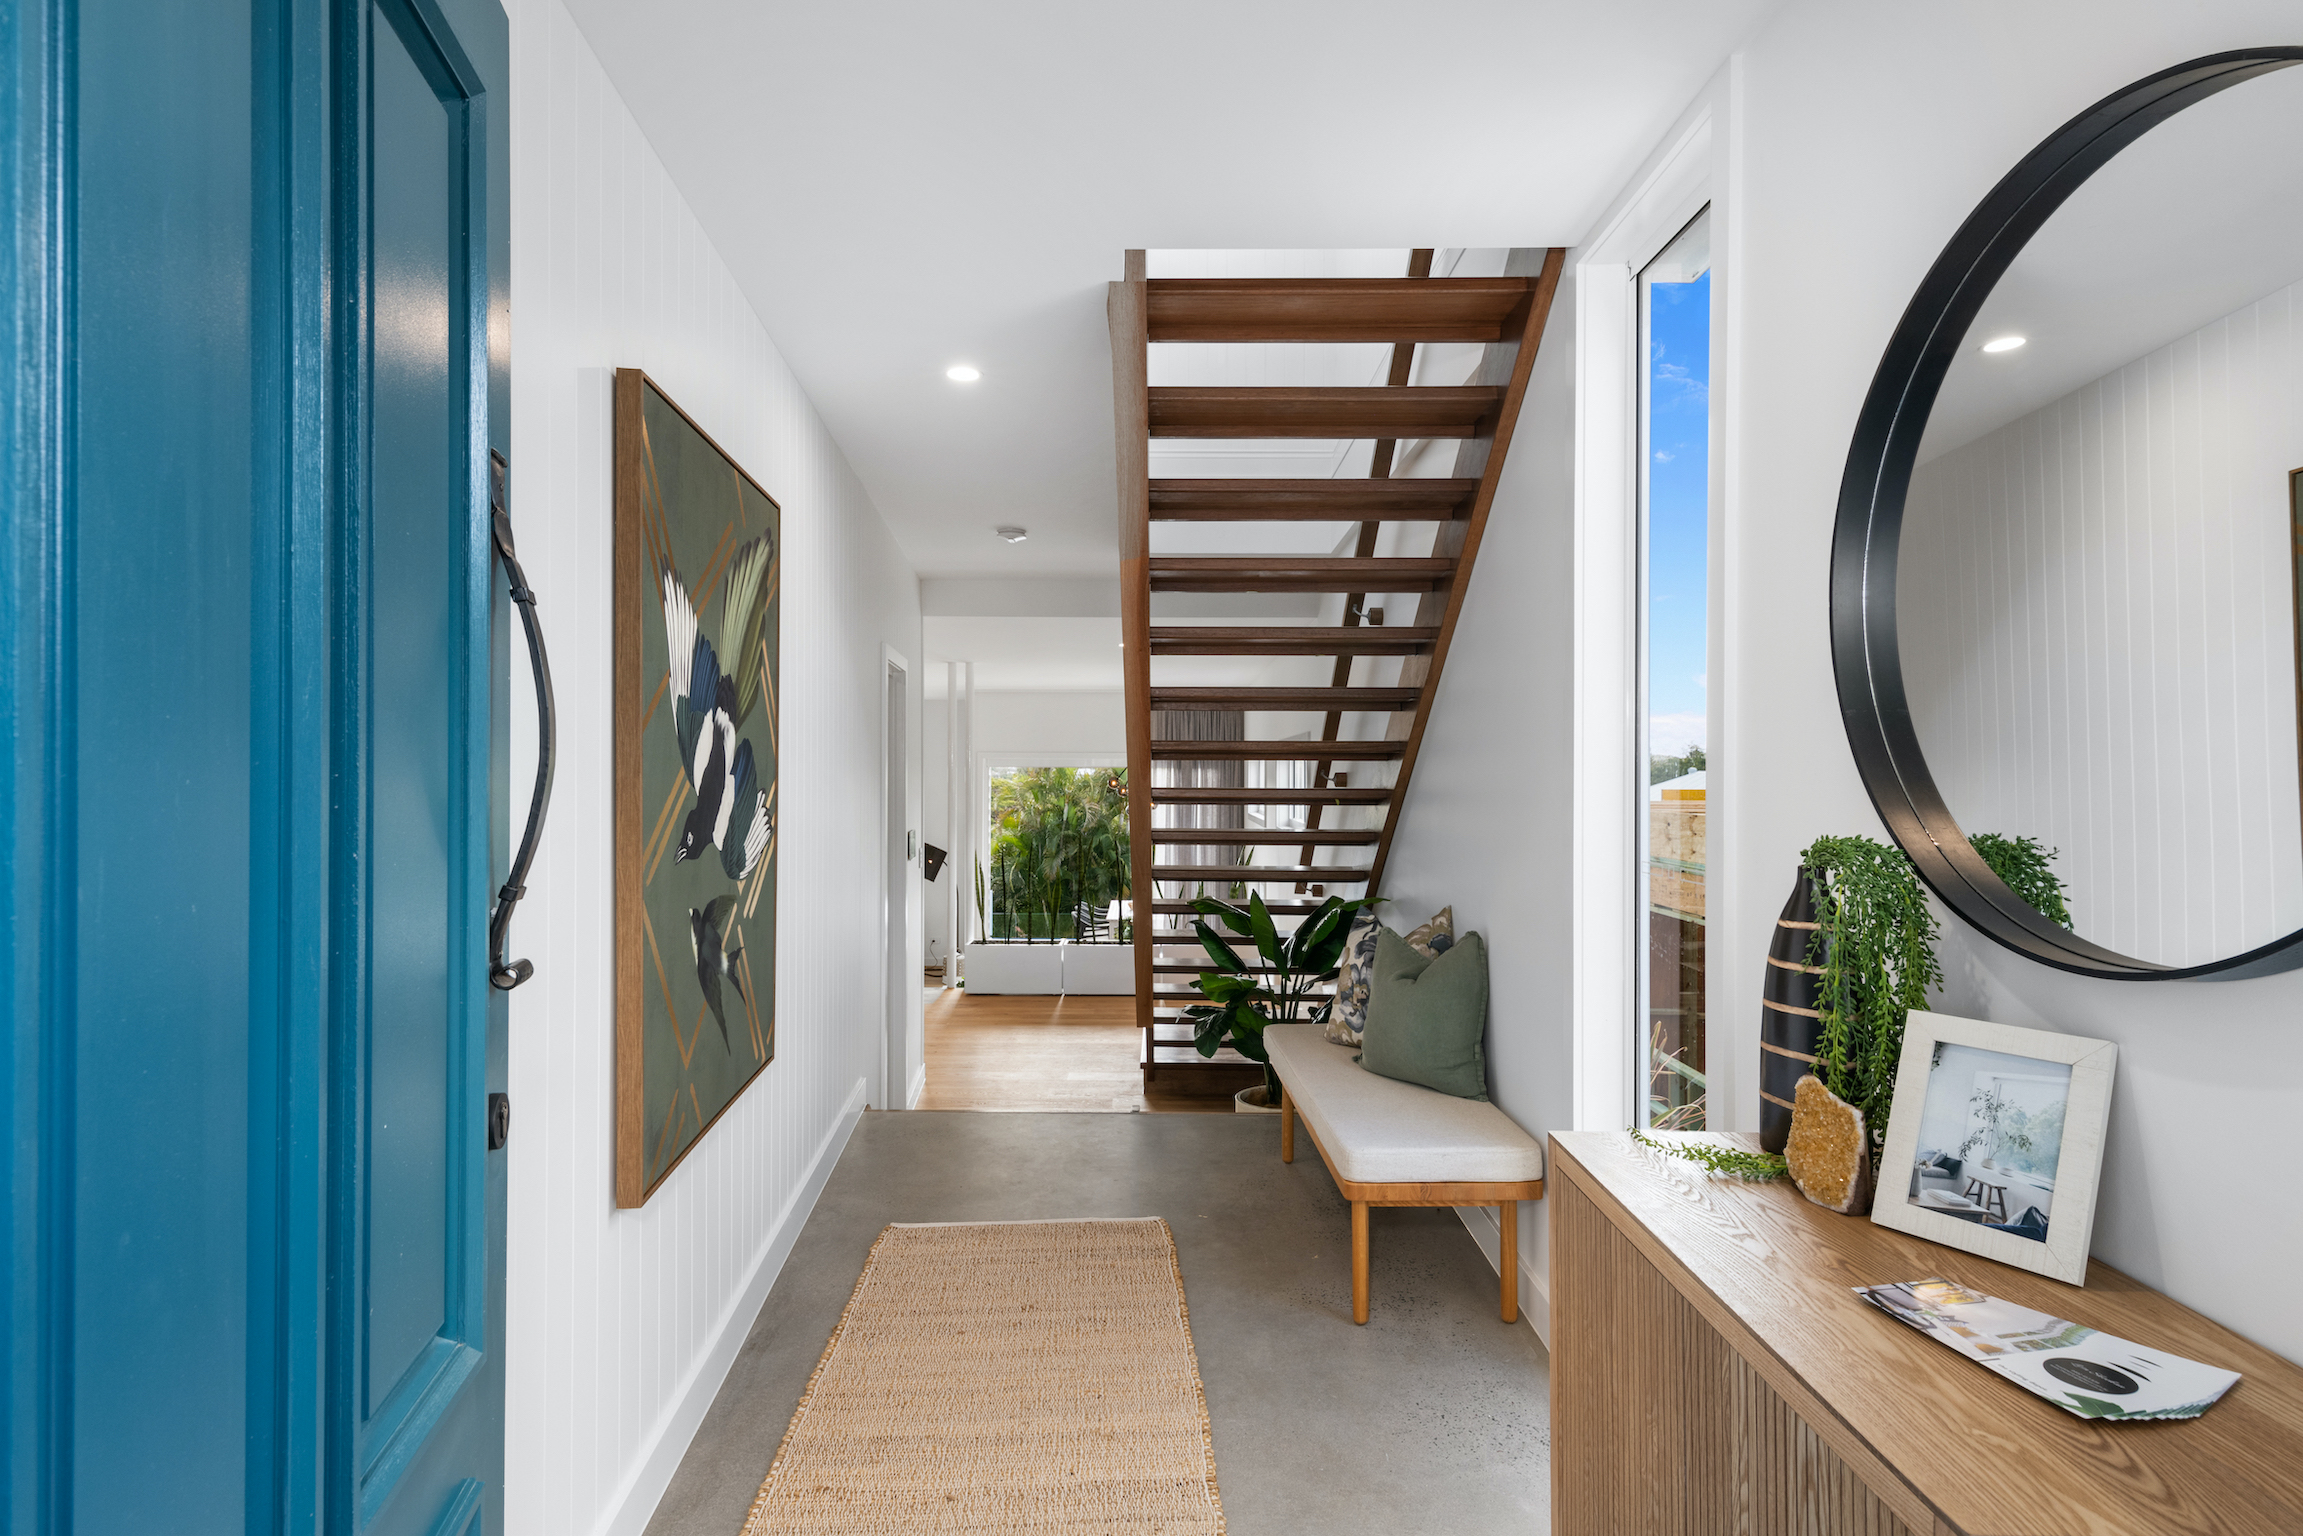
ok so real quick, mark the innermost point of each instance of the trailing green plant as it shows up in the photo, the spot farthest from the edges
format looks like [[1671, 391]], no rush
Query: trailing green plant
[[1874, 943], [1059, 850], [2023, 864], [1243, 1002], [1751, 1167]]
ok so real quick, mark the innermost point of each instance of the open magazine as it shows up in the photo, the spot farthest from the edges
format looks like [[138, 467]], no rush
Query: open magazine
[[2093, 1375]]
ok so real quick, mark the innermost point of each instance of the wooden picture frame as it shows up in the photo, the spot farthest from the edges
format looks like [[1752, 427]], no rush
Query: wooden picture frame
[[698, 566], [2068, 1075]]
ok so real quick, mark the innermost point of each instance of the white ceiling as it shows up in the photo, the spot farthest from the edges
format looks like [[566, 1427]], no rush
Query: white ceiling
[[2201, 216], [902, 186]]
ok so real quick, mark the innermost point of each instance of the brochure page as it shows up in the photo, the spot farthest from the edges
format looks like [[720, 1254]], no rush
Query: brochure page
[[2091, 1374]]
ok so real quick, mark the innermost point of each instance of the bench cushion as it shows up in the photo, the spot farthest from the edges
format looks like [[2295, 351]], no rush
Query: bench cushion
[[1375, 1130]]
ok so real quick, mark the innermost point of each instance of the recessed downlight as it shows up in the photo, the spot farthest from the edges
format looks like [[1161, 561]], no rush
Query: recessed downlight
[[1012, 533], [2004, 343], [961, 373]]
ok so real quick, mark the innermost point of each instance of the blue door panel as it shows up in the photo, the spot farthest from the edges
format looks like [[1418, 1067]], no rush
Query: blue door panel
[[161, 647], [252, 803], [416, 827]]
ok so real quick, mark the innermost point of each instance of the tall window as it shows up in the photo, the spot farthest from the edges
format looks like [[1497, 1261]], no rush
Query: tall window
[[1057, 847], [1674, 670]]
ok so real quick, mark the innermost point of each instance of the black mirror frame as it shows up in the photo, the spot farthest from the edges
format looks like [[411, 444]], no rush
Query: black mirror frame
[[1864, 655]]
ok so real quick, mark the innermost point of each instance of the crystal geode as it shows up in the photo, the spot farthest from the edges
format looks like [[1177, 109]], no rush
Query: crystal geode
[[1829, 1154]]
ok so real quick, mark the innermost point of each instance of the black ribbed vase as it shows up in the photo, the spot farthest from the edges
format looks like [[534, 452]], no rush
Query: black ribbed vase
[[1790, 1032]]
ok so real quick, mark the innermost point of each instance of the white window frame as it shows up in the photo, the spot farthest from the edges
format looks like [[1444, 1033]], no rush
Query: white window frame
[[1692, 167]]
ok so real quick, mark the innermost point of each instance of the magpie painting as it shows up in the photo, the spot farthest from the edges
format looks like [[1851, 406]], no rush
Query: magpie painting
[[709, 705], [715, 962]]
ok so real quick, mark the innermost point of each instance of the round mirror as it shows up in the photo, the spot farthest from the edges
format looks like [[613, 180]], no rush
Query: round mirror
[[2067, 603]]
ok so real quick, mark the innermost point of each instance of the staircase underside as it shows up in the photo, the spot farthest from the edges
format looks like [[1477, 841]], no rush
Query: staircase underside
[[1307, 811]]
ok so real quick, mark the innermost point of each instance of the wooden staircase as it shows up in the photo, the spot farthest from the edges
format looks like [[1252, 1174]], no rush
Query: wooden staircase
[[1400, 664]]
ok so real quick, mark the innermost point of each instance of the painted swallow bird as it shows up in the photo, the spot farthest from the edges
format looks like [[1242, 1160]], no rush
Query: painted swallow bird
[[709, 704], [713, 961]]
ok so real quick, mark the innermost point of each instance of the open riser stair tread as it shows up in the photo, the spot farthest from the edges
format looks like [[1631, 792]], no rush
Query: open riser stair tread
[[1217, 411], [1286, 573], [1165, 796], [1276, 751], [1336, 309], [1277, 700], [1311, 501], [1290, 640]]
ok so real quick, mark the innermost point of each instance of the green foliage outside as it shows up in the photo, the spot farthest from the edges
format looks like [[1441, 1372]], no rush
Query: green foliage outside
[[1660, 769], [2023, 864], [1875, 942], [1059, 853], [1243, 1002]]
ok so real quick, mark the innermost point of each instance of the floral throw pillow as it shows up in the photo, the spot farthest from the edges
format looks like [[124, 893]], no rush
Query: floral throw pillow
[[1348, 1019]]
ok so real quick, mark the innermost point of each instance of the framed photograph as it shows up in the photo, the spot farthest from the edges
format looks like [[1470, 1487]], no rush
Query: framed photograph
[[698, 568], [1996, 1140]]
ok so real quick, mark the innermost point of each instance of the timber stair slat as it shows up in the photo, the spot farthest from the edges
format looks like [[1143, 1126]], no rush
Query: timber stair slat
[[1276, 751], [1291, 640], [1319, 700], [1162, 795], [1218, 411], [1289, 573], [1261, 874], [1182, 500], [1336, 309], [1279, 837], [1275, 908]]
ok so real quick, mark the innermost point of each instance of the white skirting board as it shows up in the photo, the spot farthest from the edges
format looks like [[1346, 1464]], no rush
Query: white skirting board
[[637, 1503], [1534, 1295]]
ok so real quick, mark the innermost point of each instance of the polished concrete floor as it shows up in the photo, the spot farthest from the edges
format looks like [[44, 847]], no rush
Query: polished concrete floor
[[1432, 1418]]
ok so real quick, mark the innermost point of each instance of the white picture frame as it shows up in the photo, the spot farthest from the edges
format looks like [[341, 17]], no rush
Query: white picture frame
[[2086, 1109]]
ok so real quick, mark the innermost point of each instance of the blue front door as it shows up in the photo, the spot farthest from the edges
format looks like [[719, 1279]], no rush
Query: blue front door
[[254, 789]]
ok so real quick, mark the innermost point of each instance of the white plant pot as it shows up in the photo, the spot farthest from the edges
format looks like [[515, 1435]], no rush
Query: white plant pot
[[1249, 1101], [1031, 970], [1100, 970]]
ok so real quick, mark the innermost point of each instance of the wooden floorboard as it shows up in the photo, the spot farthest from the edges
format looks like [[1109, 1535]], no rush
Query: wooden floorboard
[[1042, 1054]]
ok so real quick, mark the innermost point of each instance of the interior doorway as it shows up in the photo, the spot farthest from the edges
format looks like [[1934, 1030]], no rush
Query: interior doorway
[[901, 984]]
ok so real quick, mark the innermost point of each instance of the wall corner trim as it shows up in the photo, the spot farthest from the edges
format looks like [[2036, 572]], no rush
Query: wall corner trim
[[1534, 1294], [643, 1488]]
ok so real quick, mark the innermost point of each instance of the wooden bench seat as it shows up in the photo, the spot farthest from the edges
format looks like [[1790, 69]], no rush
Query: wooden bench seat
[[1392, 1143]]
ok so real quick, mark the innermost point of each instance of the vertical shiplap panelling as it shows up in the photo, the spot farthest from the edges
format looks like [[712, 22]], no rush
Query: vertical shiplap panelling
[[2099, 615], [613, 1317]]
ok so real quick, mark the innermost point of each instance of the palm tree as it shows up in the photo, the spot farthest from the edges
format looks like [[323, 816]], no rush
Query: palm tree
[[1059, 848]]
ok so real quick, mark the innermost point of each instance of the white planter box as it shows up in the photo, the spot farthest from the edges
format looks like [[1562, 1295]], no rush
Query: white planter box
[[1100, 970], [1032, 969]]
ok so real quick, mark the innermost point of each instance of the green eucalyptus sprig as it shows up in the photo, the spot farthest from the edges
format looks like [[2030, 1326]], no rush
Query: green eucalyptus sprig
[[1874, 943], [1751, 1167]]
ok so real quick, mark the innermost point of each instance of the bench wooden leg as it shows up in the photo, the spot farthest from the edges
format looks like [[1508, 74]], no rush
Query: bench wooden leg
[[1359, 1261], [1508, 1214], [1286, 1126]]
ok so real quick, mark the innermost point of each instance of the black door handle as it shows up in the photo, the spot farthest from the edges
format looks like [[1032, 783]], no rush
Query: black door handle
[[504, 974]]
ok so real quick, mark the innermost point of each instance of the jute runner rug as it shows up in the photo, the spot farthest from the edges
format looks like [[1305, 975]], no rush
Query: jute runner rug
[[1016, 1376]]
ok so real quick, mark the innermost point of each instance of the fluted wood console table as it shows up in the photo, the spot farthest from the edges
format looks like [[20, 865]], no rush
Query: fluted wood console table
[[1713, 1371]]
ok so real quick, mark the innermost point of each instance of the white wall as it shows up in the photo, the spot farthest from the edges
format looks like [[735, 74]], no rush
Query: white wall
[[2096, 618], [1868, 134], [621, 1324]]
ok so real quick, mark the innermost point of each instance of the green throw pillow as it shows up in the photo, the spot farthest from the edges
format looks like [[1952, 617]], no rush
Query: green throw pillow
[[1426, 1016]]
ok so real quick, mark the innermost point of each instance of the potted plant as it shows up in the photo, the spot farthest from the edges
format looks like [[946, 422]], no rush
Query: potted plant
[[1244, 1001], [1874, 941]]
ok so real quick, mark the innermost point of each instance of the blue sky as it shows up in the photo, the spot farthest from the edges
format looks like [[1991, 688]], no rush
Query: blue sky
[[1679, 439]]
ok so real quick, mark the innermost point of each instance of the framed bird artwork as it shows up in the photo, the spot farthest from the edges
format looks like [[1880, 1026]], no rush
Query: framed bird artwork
[[698, 567]]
